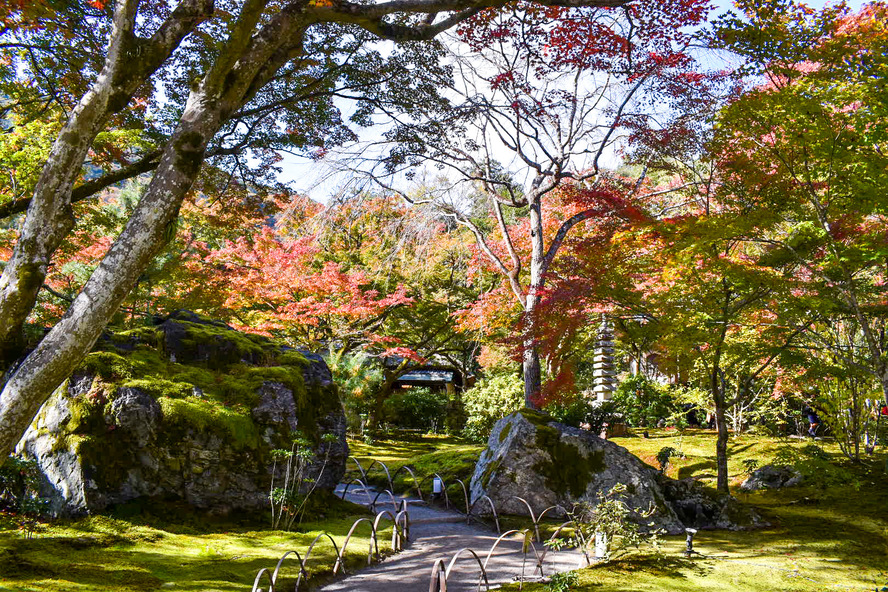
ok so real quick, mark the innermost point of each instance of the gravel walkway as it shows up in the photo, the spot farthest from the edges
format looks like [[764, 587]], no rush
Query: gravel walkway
[[439, 534]]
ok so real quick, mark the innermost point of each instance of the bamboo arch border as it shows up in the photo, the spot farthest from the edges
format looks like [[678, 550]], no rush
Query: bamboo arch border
[[418, 484], [440, 570], [417, 487], [440, 574], [400, 535]]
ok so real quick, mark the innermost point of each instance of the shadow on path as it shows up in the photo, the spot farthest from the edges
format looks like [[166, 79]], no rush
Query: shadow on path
[[440, 534]]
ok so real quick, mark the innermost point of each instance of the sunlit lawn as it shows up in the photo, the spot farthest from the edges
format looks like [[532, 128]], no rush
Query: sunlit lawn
[[822, 538], [102, 553]]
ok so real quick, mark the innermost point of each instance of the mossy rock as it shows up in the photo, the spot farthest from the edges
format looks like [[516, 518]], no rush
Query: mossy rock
[[532, 457], [132, 422], [188, 338]]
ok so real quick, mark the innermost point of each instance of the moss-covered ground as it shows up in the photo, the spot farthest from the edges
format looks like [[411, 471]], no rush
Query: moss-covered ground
[[450, 458], [831, 534], [146, 552]]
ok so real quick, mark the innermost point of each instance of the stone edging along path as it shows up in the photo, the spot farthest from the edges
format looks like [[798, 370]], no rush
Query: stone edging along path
[[437, 534]]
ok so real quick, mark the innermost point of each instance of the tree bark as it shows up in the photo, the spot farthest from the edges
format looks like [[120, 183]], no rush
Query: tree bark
[[533, 382], [883, 380], [65, 346], [71, 339], [50, 218], [384, 392], [379, 399], [721, 447]]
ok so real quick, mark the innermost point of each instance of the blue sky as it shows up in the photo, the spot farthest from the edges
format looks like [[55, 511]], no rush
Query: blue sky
[[310, 177]]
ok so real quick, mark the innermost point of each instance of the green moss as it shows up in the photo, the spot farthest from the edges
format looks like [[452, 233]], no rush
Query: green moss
[[228, 394], [568, 469], [487, 475], [159, 387], [231, 347], [30, 277], [292, 358], [537, 418], [236, 387], [167, 546], [86, 415], [504, 432], [207, 416], [151, 336], [107, 365]]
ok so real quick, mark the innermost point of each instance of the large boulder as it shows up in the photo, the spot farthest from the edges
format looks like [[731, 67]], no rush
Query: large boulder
[[548, 464], [136, 421]]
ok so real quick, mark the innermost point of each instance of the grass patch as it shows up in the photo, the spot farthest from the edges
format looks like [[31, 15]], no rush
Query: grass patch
[[147, 552], [449, 457], [831, 534]]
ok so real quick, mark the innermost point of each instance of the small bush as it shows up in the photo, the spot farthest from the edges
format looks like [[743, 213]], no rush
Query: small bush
[[20, 488], [643, 402], [584, 411], [417, 408], [492, 399], [562, 582], [612, 520], [664, 455]]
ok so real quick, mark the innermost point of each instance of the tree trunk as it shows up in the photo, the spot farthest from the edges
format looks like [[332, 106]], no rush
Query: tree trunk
[[533, 382], [69, 341], [721, 424], [883, 380], [531, 369], [228, 85], [49, 218], [721, 448], [384, 392], [128, 63]]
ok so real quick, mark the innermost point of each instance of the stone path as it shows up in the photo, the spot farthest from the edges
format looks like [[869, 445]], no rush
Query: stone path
[[439, 534]]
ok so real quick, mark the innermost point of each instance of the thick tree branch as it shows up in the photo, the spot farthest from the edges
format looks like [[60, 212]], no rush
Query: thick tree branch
[[90, 188]]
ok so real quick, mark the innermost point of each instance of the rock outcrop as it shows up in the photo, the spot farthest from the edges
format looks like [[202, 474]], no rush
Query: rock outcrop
[[550, 464], [697, 507], [771, 477], [188, 410]]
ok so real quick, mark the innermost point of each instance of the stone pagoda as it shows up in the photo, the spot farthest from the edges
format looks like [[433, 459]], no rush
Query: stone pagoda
[[603, 371]]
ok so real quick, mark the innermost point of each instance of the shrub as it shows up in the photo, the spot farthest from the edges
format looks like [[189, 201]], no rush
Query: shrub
[[585, 411], [666, 453], [358, 377], [613, 521], [643, 402], [20, 488], [492, 399], [562, 582], [417, 408]]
